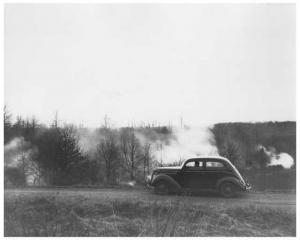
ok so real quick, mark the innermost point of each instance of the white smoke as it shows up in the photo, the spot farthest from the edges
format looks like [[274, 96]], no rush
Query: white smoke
[[88, 140], [189, 142], [283, 159], [18, 153], [16, 149], [13, 144]]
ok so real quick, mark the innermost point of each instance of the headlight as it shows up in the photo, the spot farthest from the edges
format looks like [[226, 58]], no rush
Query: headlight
[[154, 175], [148, 179]]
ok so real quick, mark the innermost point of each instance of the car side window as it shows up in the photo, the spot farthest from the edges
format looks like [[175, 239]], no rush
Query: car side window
[[194, 165], [214, 165]]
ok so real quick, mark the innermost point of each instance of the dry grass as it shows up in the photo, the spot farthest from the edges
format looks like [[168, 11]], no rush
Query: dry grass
[[42, 216]]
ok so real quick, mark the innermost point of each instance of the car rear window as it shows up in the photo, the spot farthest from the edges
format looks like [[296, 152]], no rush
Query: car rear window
[[211, 165]]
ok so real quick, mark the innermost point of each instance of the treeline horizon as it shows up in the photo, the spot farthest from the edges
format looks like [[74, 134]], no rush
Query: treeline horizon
[[52, 155], [134, 124]]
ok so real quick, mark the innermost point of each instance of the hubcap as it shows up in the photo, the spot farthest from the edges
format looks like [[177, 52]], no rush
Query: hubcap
[[227, 190], [162, 188]]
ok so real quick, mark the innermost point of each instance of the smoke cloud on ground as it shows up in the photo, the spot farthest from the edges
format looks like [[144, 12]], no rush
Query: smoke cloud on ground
[[189, 142], [16, 149], [283, 159], [184, 143], [88, 140]]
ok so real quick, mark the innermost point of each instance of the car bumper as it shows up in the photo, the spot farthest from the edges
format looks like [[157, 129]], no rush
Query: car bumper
[[247, 187], [148, 182]]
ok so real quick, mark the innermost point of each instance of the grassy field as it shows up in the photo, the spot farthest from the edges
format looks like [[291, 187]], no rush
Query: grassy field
[[51, 216]]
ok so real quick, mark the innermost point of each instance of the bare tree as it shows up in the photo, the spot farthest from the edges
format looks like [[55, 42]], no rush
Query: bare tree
[[146, 156], [7, 125], [55, 120], [106, 122], [24, 159], [131, 151], [108, 151]]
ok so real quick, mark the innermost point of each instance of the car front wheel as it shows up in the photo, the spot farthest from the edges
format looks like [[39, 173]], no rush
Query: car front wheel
[[161, 188], [228, 190]]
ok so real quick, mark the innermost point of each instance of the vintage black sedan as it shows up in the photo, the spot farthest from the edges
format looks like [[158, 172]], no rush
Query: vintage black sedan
[[199, 174]]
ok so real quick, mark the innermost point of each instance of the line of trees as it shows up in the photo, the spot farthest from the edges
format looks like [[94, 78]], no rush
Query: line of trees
[[239, 141], [245, 143], [52, 155]]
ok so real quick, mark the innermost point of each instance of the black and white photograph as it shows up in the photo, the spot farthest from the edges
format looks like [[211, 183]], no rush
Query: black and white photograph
[[151, 119]]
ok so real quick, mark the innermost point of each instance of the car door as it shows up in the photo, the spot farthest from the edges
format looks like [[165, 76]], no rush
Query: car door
[[214, 170], [192, 175]]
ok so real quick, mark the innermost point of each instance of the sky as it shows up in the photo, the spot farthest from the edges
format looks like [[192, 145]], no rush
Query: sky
[[150, 63]]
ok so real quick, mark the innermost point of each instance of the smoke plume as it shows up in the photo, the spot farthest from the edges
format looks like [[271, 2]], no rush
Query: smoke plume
[[283, 159], [184, 143], [16, 149], [189, 142], [88, 140]]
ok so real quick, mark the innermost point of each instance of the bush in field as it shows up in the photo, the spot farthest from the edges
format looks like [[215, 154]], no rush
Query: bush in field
[[59, 156], [13, 177]]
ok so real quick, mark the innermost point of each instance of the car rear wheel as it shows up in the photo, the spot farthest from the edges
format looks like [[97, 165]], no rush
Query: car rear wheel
[[161, 188], [228, 190]]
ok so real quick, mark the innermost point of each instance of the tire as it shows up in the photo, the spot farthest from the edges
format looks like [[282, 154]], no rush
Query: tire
[[227, 190], [161, 188]]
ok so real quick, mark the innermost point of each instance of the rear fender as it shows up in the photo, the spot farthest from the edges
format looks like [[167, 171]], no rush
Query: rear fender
[[168, 179], [232, 180]]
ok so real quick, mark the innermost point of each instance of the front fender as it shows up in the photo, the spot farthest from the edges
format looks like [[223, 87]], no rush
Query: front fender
[[168, 179], [233, 180]]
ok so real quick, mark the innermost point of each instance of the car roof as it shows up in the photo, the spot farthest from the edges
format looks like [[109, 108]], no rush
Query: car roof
[[208, 157]]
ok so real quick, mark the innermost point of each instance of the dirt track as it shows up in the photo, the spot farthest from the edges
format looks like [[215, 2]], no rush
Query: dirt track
[[285, 201]]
